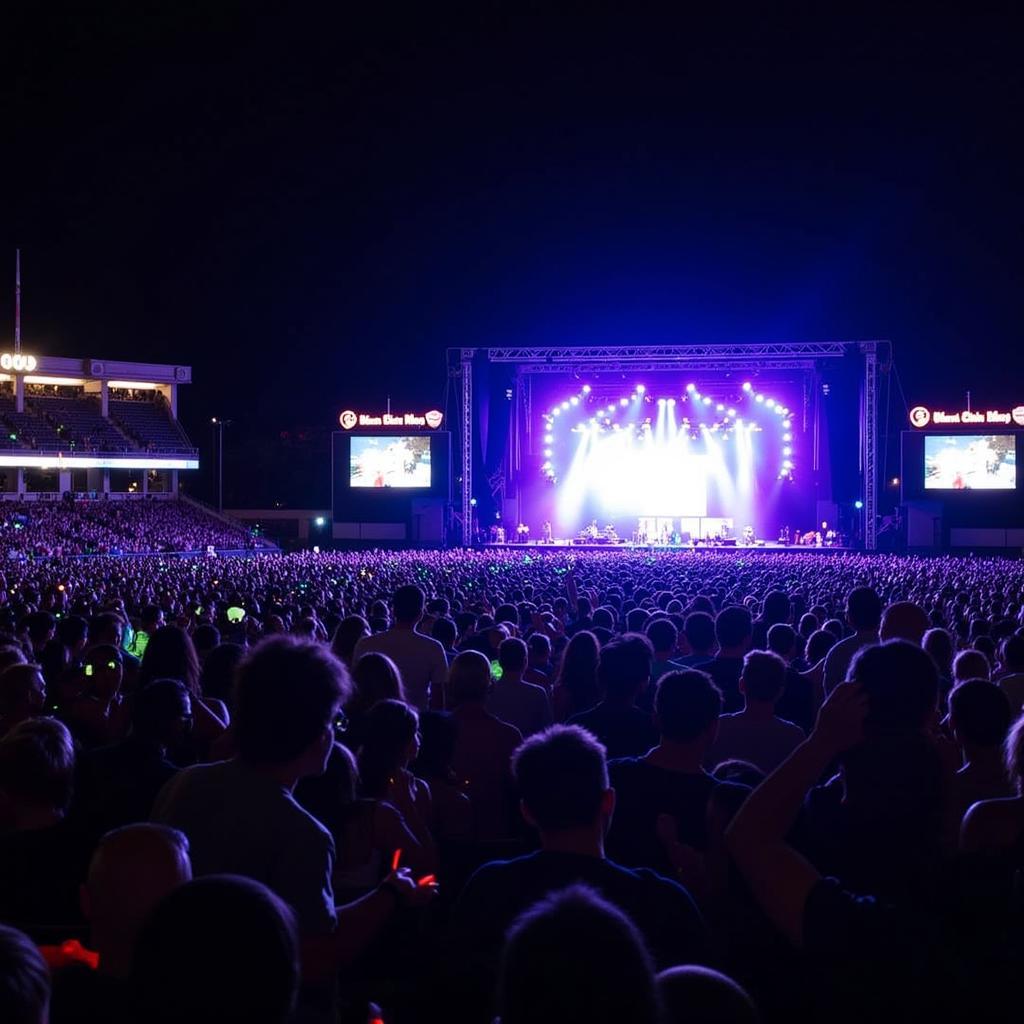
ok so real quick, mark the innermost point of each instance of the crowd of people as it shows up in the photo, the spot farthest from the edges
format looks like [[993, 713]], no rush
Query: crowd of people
[[534, 787], [55, 529]]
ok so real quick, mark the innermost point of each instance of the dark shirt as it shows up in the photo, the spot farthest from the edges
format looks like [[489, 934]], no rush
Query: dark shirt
[[500, 891], [625, 732], [118, 784], [725, 673], [796, 704], [40, 873], [642, 792]]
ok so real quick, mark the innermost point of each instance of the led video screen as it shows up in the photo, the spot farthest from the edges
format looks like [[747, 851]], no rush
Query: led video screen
[[966, 462], [390, 461]]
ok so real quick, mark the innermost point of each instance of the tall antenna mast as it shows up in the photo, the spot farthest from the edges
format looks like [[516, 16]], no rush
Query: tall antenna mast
[[17, 301]]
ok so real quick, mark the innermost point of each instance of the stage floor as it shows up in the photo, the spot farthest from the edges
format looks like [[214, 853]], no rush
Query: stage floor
[[567, 545]]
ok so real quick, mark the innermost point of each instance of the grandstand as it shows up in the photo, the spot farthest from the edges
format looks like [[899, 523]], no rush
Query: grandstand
[[91, 426]]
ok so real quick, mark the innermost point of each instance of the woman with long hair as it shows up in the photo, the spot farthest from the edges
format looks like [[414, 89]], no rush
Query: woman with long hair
[[170, 654], [576, 688]]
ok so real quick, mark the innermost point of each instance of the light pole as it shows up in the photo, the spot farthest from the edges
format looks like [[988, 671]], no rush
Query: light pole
[[219, 425]]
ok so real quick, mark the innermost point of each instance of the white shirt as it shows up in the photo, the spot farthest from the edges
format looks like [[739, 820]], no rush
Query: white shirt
[[420, 660]]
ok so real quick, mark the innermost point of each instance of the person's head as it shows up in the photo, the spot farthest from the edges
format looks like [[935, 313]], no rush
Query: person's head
[[445, 632], [10, 655], [540, 650], [218, 950], [132, 869], [663, 636], [699, 630], [350, 631], [73, 633], [700, 995], [939, 644], [625, 667], [104, 670], [1012, 653], [562, 778], [287, 693], [819, 643], [469, 678], [390, 742], [863, 610], [41, 628], [408, 604], [763, 677], [217, 678], [22, 691], [904, 620], [205, 638], [162, 712], [375, 677], [1013, 755], [733, 629], [512, 655], [686, 707], [970, 665], [24, 980], [902, 687], [980, 715], [782, 640], [37, 768], [170, 654], [777, 607], [604, 975], [107, 628]]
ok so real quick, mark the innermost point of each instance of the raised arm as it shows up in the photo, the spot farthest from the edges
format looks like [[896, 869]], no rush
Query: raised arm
[[781, 879]]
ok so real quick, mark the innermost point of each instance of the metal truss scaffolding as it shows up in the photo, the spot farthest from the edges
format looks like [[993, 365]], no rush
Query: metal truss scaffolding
[[749, 357]]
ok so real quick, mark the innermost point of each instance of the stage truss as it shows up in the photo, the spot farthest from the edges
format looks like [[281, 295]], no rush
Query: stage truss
[[746, 358]]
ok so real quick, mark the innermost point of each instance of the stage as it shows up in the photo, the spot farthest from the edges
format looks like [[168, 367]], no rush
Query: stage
[[537, 547]]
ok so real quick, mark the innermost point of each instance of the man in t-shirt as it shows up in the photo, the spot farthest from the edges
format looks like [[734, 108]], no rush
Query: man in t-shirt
[[756, 734], [863, 613], [670, 779], [240, 816], [623, 674], [513, 700], [420, 659], [733, 630], [563, 782]]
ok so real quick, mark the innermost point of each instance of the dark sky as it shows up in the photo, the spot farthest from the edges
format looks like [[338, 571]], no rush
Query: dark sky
[[309, 210]]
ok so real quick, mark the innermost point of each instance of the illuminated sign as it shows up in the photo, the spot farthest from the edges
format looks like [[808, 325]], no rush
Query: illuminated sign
[[922, 416], [432, 419], [17, 362]]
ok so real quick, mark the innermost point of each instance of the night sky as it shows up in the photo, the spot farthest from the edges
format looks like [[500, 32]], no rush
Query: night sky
[[309, 211]]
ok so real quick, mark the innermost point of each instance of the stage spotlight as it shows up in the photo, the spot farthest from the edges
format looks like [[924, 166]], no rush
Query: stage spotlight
[[746, 385], [707, 401], [858, 504], [640, 389], [691, 388], [586, 389], [759, 398]]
